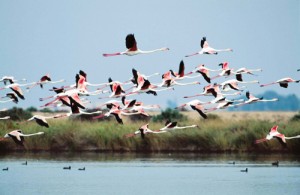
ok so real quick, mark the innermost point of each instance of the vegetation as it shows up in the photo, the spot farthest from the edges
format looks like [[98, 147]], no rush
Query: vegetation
[[213, 135]]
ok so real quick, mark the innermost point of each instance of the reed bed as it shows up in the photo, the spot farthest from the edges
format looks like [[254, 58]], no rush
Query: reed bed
[[213, 135]]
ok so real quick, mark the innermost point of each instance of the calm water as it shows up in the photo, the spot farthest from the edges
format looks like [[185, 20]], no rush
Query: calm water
[[149, 174]]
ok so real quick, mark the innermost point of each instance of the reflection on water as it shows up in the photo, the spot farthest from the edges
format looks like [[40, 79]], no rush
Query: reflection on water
[[131, 173]]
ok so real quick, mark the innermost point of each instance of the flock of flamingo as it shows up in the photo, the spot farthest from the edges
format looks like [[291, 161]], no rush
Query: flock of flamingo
[[73, 96]]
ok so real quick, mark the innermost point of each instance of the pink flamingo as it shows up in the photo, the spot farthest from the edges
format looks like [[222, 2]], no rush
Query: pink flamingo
[[241, 71], [12, 98], [253, 99], [282, 82], [206, 49], [18, 136], [273, 133], [180, 74], [43, 80], [170, 126], [9, 79], [132, 48], [233, 84], [143, 130], [204, 71], [195, 105]]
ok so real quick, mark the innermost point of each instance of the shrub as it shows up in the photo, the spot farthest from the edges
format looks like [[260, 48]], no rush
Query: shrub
[[17, 114]]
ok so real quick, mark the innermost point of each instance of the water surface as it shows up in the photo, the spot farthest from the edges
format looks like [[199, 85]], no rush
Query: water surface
[[149, 174]]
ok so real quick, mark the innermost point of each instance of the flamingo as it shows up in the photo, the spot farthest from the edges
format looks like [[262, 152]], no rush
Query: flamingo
[[252, 99], [43, 80], [9, 79], [41, 120], [116, 89], [148, 88], [180, 74], [212, 90], [195, 105], [233, 84], [15, 87], [170, 126], [282, 82], [226, 71], [221, 105], [204, 71], [244, 70], [132, 48], [206, 49], [75, 111], [136, 76], [111, 104], [18, 136], [12, 97], [167, 82], [143, 130], [273, 133], [118, 114]]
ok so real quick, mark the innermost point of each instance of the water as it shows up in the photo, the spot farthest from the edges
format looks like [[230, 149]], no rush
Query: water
[[149, 174]]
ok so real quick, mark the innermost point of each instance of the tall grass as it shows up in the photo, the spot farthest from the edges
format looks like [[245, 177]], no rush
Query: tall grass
[[213, 135]]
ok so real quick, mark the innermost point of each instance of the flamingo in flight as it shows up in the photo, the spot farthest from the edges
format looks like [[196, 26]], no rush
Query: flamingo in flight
[[132, 48], [9, 79], [148, 88], [226, 71], [41, 120], [204, 71], [170, 126], [75, 111], [212, 90], [273, 133], [137, 76], [12, 98], [43, 80], [18, 136], [195, 105], [118, 114], [233, 84], [168, 81], [244, 70], [15, 87], [143, 130], [282, 82], [180, 74], [222, 105], [253, 99], [206, 49]]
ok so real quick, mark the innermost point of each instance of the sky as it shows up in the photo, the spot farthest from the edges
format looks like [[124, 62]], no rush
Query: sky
[[61, 37]]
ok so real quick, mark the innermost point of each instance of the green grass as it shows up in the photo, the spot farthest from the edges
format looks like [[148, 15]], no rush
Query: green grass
[[213, 135]]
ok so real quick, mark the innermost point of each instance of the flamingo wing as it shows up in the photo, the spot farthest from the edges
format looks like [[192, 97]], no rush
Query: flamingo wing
[[181, 69], [204, 43], [131, 42], [18, 91], [284, 85], [281, 139], [82, 73], [239, 77], [199, 111], [135, 76], [111, 86], [205, 76]]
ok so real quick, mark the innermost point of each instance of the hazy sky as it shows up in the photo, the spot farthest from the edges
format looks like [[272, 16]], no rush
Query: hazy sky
[[62, 37]]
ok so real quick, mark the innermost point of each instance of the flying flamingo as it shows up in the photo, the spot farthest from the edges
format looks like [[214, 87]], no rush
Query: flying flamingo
[[204, 71], [116, 89], [12, 97], [167, 82], [132, 48], [222, 105], [226, 71], [9, 79], [139, 78], [143, 130], [43, 80], [241, 71], [170, 126], [75, 111], [206, 49], [41, 120], [212, 90], [195, 105], [273, 133], [282, 82], [233, 84], [18, 136], [15, 87], [253, 99], [148, 88], [180, 74], [118, 114]]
